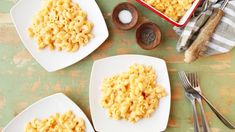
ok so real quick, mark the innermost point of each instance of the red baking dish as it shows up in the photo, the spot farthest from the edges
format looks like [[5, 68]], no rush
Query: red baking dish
[[183, 21]]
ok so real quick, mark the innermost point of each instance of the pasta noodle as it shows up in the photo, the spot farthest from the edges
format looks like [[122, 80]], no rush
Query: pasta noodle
[[57, 26], [66, 122], [174, 9], [132, 95]]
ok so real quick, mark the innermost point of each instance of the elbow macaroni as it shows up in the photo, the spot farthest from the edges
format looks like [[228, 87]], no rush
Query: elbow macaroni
[[66, 122], [132, 95], [174, 9], [61, 24]]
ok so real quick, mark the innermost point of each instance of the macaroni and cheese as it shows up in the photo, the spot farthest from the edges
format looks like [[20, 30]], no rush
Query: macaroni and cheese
[[61, 24], [66, 122], [174, 9], [132, 95]]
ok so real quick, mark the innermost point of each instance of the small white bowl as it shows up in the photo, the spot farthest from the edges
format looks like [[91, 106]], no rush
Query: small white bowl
[[22, 14], [114, 65], [57, 103]]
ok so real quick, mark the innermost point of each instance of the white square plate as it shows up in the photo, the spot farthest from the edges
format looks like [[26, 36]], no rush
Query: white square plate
[[43, 109], [114, 65], [22, 14]]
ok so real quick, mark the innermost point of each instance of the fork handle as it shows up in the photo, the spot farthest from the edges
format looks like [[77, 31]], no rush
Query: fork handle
[[220, 116], [204, 121], [195, 117]]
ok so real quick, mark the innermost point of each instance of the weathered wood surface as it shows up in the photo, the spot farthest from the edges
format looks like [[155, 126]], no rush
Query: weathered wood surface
[[23, 81]]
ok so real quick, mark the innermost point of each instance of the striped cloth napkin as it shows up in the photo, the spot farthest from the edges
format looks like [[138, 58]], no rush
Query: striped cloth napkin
[[222, 41]]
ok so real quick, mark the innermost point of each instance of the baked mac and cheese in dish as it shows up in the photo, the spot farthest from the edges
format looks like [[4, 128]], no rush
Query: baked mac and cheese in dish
[[175, 9]]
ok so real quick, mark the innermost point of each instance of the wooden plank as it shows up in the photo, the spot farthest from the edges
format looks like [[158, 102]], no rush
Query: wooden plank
[[5, 18], [23, 81], [8, 34]]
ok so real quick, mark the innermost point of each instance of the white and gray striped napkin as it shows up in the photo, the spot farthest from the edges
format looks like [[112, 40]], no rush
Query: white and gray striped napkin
[[222, 41]]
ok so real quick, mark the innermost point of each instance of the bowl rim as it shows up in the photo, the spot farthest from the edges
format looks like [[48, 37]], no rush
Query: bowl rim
[[157, 32], [135, 16]]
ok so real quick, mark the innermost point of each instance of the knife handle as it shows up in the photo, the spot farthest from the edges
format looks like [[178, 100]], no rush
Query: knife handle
[[199, 45]]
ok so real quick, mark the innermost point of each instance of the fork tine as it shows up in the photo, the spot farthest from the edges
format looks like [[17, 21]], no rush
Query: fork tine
[[194, 79], [197, 79], [181, 78], [189, 85], [190, 78], [184, 80], [189, 75]]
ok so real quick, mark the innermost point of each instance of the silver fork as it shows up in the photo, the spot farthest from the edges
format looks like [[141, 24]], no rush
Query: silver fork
[[186, 84], [194, 80], [192, 99]]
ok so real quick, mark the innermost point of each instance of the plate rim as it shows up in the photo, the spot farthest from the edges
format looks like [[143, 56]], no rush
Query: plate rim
[[82, 56], [38, 102], [127, 55]]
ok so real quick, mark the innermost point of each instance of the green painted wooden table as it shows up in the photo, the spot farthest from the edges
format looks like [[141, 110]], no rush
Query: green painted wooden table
[[23, 81]]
